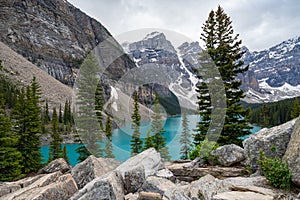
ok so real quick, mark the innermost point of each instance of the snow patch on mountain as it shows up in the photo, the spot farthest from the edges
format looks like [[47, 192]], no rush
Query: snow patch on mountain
[[114, 98]]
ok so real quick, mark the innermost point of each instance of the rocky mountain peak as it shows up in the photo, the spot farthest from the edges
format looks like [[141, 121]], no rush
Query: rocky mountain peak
[[154, 40], [274, 71], [170, 66], [155, 35], [52, 34]]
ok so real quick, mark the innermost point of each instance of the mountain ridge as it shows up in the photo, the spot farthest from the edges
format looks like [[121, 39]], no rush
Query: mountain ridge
[[273, 73]]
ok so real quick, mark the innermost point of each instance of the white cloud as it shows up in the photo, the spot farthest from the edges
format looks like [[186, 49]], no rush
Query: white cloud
[[260, 24]]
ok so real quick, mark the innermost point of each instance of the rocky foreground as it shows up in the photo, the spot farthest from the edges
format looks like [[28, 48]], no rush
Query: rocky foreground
[[146, 176]]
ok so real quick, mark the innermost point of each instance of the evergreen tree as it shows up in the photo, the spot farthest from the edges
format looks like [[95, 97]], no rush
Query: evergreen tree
[[66, 113], [81, 149], [185, 139], [108, 143], [86, 119], [148, 141], [10, 157], [60, 116], [158, 131], [56, 140], [296, 109], [65, 153], [46, 114], [27, 124], [264, 114], [273, 114], [224, 49], [99, 105], [136, 142], [68, 117]]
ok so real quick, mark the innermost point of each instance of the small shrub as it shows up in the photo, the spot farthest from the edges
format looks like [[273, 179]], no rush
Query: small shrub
[[203, 150], [276, 172]]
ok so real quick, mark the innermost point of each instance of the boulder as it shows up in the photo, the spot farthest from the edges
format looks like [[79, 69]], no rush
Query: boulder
[[179, 192], [109, 186], [157, 185], [211, 188], [241, 196], [292, 154], [49, 186], [206, 187], [259, 181], [92, 168], [273, 142], [134, 179], [196, 163], [63, 188], [166, 173], [229, 155], [191, 174], [7, 188], [149, 196], [150, 159], [59, 164]]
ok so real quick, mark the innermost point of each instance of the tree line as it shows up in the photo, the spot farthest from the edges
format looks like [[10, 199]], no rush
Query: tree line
[[276, 113], [20, 127], [23, 120]]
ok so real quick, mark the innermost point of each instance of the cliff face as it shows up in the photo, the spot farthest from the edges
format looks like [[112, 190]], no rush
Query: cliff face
[[52, 34]]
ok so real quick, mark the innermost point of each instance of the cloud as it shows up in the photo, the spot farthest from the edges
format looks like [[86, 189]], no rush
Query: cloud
[[260, 24]]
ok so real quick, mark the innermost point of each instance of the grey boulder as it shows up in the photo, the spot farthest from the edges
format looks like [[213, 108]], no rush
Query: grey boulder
[[92, 168], [229, 155]]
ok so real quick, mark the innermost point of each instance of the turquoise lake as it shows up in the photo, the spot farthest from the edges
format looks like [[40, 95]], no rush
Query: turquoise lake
[[121, 139]]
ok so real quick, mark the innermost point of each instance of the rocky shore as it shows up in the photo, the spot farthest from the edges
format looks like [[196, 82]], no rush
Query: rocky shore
[[146, 176]]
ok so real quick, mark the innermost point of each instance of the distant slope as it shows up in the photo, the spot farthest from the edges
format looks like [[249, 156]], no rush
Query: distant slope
[[21, 70]]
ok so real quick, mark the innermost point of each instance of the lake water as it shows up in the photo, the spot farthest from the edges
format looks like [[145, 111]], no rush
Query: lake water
[[121, 139]]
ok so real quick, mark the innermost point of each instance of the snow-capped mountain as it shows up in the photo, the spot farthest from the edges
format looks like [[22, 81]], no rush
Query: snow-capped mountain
[[159, 60], [273, 74]]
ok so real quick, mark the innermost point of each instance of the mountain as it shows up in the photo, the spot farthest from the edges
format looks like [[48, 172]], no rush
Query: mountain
[[273, 74], [166, 65], [21, 71], [54, 35]]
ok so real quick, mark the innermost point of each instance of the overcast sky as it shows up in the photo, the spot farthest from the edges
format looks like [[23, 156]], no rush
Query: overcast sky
[[260, 23]]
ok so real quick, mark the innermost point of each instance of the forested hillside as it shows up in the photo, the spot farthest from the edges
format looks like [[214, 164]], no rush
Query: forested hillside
[[272, 114]]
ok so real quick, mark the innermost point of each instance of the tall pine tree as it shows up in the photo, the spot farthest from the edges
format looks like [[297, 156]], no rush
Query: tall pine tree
[[27, 124], [60, 115], [99, 102], [185, 139], [65, 153], [108, 142], [136, 142], [46, 116], [86, 118], [296, 109], [158, 131], [10, 157], [223, 47], [148, 141], [56, 140]]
